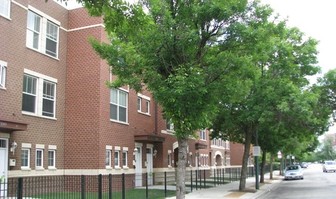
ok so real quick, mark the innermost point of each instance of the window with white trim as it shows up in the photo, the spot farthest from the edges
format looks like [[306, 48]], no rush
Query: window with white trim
[[119, 105], [42, 33], [51, 158], [202, 135], [39, 158], [170, 125], [38, 95], [3, 71], [5, 8], [25, 158], [124, 158], [108, 154], [143, 104], [116, 159]]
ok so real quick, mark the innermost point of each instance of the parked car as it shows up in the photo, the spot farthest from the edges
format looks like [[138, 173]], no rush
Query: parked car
[[293, 172], [329, 166], [304, 165]]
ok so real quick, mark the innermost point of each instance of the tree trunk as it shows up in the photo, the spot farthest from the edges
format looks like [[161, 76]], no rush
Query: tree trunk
[[262, 167], [181, 168], [271, 166], [247, 146]]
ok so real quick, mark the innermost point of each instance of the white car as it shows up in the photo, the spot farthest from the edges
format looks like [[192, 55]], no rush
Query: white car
[[293, 172], [329, 166]]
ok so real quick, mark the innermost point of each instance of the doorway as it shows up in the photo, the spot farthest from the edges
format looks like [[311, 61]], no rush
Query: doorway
[[3, 166], [149, 159], [138, 165]]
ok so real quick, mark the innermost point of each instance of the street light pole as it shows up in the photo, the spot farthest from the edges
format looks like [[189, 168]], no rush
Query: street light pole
[[256, 153]]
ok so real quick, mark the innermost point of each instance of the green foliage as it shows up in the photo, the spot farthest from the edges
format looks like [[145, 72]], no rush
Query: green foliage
[[327, 151]]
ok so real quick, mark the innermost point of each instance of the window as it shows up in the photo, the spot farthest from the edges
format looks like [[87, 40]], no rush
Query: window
[[25, 158], [116, 159], [5, 8], [108, 158], [42, 33], [124, 158], [118, 105], [39, 158], [3, 70], [203, 135], [170, 125], [36, 101], [51, 159], [143, 103]]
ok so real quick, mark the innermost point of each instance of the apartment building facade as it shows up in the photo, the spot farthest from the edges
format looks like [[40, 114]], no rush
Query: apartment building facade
[[58, 117]]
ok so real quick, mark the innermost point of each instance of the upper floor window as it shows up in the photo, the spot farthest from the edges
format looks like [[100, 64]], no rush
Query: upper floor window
[[202, 135], [170, 125], [5, 8], [42, 33], [3, 71], [143, 104], [38, 94], [118, 105]]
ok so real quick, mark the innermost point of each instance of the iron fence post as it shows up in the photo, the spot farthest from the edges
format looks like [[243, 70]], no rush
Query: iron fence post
[[165, 183], [191, 181], [146, 185], [110, 186], [83, 185], [123, 192], [100, 186], [20, 188]]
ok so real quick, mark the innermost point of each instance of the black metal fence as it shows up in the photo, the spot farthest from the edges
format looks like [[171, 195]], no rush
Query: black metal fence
[[122, 186]]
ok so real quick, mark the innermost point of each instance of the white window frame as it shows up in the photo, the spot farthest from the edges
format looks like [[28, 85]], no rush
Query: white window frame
[[39, 94], [124, 158], [39, 150], [53, 152], [108, 155], [5, 8], [203, 134], [42, 32], [25, 151], [116, 102], [3, 74], [146, 109], [169, 158], [116, 162]]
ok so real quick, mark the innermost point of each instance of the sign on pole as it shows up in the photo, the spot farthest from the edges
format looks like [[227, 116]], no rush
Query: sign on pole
[[256, 151]]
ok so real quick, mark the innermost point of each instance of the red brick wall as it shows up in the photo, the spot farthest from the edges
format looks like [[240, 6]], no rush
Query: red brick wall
[[14, 51]]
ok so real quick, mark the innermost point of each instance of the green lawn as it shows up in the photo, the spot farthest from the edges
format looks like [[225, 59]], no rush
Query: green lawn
[[130, 194]]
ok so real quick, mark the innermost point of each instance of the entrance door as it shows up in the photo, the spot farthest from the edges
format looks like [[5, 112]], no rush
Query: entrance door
[[149, 152], [138, 166], [3, 167]]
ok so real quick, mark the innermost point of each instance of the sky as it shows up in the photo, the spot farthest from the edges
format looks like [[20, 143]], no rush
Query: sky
[[316, 18]]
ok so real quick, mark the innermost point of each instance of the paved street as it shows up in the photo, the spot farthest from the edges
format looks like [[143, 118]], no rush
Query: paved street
[[316, 185]]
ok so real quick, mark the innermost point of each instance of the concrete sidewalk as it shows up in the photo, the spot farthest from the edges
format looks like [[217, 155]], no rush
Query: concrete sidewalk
[[230, 190]]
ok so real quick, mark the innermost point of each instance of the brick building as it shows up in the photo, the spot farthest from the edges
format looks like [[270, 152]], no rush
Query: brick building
[[58, 117]]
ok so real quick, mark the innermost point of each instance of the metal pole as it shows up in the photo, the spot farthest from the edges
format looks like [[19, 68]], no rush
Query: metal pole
[[256, 164]]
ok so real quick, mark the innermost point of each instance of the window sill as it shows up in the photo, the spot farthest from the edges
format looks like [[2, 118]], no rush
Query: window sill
[[125, 167], [119, 122], [39, 169], [117, 168], [52, 168], [35, 115], [25, 169], [144, 113], [108, 167]]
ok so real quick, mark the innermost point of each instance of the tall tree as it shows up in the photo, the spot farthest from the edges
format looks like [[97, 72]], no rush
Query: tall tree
[[176, 49], [277, 95]]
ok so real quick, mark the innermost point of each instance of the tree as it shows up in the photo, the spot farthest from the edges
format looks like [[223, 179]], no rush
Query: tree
[[175, 50], [327, 152], [278, 100]]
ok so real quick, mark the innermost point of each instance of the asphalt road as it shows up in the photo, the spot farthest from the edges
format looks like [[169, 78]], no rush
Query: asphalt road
[[316, 185]]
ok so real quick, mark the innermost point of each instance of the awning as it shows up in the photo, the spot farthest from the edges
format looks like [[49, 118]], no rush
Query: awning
[[10, 126], [148, 138]]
